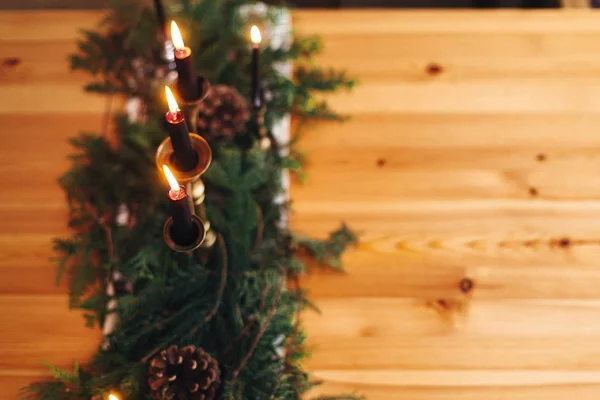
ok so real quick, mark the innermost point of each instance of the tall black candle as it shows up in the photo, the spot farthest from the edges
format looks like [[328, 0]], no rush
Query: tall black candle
[[187, 82], [185, 158], [160, 16], [255, 96], [183, 230]]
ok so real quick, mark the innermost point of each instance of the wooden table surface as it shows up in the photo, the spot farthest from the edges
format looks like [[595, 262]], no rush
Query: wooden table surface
[[473, 152]]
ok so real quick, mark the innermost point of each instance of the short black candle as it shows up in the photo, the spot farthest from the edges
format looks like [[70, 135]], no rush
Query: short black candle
[[183, 232], [185, 158], [187, 82], [255, 96]]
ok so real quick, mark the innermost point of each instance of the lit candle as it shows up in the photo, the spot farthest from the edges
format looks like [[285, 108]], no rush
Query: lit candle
[[187, 83], [113, 397], [183, 231], [185, 158], [255, 93]]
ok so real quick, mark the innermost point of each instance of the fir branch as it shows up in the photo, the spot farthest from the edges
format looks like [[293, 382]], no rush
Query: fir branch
[[328, 252], [262, 328], [223, 283]]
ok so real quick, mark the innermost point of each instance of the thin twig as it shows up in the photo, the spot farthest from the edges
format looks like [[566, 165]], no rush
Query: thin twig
[[224, 262], [251, 319], [110, 245], [259, 230], [263, 328], [295, 332], [244, 332], [151, 354], [263, 297]]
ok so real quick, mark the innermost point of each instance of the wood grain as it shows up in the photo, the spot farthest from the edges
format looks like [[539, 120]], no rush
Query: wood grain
[[471, 153]]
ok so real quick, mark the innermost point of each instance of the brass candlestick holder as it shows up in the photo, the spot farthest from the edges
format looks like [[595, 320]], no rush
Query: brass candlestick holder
[[190, 108], [164, 156], [191, 179], [265, 141], [186, 247]]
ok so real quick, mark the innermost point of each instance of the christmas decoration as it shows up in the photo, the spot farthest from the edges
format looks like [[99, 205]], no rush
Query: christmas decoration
[[184, 374], [223, 114], [227, 292]]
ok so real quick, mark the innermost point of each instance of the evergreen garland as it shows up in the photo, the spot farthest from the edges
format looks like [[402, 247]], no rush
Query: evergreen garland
[[242, 302]]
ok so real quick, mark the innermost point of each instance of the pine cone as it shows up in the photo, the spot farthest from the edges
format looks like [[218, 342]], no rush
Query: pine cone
[[184, 374], [223, 113]]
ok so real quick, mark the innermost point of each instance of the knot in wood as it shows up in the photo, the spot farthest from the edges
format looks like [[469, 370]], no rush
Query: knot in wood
[[434, 69], [533, 192], [564, 242], [10, 62], [466, 285]]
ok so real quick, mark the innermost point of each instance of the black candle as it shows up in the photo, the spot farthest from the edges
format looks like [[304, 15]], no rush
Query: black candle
[[185, 158], [187, 82], [255, 96], [160, 16], [183, 232]]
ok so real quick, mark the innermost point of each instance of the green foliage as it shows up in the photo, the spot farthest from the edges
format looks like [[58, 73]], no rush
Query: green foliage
[[232, 300], [327, 252]]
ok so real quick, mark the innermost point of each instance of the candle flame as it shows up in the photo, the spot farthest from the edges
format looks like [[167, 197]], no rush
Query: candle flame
[[176, 36], [255, 34], [113, 397], [172, 181], [173, 106]]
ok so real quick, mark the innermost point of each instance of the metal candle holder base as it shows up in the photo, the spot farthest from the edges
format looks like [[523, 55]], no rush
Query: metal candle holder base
[[185, 248], [203, 88], [164, 155], [191, 106]]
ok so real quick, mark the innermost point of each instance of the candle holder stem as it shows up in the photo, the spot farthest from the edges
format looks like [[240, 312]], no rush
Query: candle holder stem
[[198, 194], [265, 139], [191, 115], [191, 106], [188, 189]]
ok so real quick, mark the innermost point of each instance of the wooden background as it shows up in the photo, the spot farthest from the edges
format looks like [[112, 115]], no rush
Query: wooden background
[[473, 153]]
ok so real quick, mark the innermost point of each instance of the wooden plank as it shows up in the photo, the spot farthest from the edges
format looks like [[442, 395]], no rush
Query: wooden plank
[[47, 26], [472, 222], [30, 166], [23, 26], [540, 134], [58, 98], [376, 22], [12, 384], [392, 386], [441, 379], [33, 62], [395, 174], [431, 274], [523, 96], [468, 334], [42, 328], [460, 57]]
